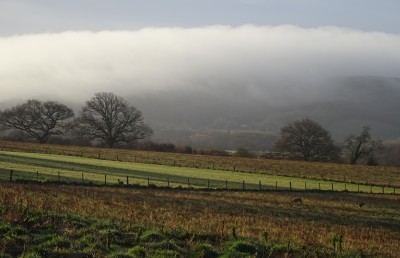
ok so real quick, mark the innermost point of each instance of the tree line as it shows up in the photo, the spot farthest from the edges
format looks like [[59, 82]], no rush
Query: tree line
[[310, 141], [105, 118], [109, 120]]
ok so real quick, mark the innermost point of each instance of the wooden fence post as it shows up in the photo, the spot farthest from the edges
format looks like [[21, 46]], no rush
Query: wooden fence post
[[371, 189], [37, 175], [345, 186], [148, 181], [208, 183], [168, 181], [11, 174], [305, 185], [332, 186], [189, 182], [127, 180], [290, 186], [243, 185], [59, 179], [276, 185], [82, 177], [319, 186], [105, 179], [259, 184]]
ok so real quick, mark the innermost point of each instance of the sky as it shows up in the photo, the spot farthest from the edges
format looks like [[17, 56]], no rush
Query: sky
[[43, 16], [280, 52]]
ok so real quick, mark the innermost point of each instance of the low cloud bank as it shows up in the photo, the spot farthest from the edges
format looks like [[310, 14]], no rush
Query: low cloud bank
[[278, 64]]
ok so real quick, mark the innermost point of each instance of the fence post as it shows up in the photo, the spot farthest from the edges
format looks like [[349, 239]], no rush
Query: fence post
[[371, 189], [189, 182], [208, 183], [168, 181], [305, 185], [127, 180], [358, 188], [332, 186], [11, 175], [148, 181], [319, 186], [59, 179], [276, 185], [290, 185], [259, 184], [234, 168], [345, 186], [82, 177], [243, 185], [105, 179], [37, 175]]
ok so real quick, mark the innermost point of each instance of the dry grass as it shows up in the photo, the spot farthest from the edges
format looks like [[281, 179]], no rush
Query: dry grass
[[373, 229]]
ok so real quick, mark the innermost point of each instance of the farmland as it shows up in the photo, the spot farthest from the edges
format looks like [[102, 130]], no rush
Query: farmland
[[357, 174], [208, 217], [54, 205]]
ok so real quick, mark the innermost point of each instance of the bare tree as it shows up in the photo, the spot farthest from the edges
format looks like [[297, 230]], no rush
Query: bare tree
[[37, 119], [361, 146], [110, 119], [307, 139]]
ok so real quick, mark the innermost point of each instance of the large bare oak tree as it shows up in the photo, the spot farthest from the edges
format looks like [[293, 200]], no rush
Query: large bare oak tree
[[110, 119], [308, 140], [37, 119], [361, 146]]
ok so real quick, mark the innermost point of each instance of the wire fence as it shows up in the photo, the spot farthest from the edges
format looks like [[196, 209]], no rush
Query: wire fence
[[131, 180]]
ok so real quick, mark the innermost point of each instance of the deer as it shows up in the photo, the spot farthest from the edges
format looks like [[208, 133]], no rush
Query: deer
[[297, 200]]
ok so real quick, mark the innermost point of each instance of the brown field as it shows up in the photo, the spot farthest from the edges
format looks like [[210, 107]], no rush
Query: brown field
[[373, 229]]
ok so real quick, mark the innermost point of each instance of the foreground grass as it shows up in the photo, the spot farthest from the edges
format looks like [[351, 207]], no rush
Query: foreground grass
[[261, 222], [42, 167], [379, 175]]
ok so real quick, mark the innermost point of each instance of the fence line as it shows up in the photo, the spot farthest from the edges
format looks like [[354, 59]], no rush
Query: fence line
[[173, 162], [187, 182]]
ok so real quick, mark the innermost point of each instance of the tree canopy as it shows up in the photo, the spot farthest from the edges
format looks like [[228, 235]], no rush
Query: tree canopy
[[112, 120], [39, 120], [308, 140]]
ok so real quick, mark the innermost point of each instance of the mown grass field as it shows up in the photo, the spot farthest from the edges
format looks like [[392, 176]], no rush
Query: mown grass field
[[50, 167], [358, 174], [51, 219]]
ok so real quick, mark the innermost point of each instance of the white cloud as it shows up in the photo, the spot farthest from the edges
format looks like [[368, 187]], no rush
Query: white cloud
[[265, 61]]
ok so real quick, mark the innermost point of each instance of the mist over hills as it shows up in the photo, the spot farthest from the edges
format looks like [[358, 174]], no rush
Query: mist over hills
[[216, 86], [219, 119]]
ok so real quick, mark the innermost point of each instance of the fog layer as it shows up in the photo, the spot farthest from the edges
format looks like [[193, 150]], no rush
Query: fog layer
[[209, 73]]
